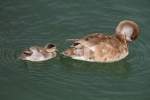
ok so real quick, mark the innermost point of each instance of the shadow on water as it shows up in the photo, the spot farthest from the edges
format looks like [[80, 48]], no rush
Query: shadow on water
[[118, 69], [38, 66]]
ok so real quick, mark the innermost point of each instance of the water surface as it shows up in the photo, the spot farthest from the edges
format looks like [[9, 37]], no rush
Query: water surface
[[36, 22]]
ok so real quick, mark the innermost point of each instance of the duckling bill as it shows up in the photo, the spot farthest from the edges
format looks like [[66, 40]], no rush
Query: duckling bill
[[36, 53], [98, 47]]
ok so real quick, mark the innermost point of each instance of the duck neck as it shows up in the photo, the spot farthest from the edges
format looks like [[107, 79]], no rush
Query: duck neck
[[121, 38]]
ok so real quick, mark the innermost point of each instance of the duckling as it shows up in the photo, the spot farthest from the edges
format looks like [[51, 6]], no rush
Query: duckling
[[98, 47], [36, 53]]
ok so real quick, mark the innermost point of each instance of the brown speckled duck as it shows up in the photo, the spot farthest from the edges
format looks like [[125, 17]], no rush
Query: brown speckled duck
[[36, 53], [98, 47]]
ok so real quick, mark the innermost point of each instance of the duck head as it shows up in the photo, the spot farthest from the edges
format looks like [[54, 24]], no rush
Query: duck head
[[26, 54], [36, 53], [50, 48], [127, 30]]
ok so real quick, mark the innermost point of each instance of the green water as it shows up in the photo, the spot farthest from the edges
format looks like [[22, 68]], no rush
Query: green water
[[36, 22]]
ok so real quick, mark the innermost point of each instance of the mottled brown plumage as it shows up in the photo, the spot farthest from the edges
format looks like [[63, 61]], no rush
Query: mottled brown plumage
[[98, 47]]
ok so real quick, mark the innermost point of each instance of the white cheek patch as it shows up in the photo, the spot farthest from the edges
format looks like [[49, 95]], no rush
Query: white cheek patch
[[36, 56], [127, 31]]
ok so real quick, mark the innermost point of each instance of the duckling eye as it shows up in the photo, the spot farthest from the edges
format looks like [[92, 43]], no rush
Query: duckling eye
[[50, 46], [27, 53], [76, 43]]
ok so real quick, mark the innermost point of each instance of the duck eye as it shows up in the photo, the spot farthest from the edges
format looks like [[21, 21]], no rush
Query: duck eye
[[133, 37], [27, 53], [50, 46], [76, 43]]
